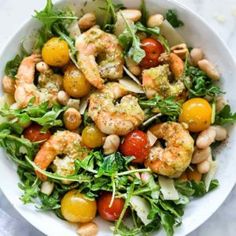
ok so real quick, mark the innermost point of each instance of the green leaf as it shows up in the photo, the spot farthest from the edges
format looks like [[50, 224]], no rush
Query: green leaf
[[143, 9], [49, 203], [173, 19], [199, 84], [131, 42], [142, 28], [225, 116]]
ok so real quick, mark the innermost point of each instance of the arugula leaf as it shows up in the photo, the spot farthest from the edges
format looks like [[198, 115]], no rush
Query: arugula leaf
[[131, 42], [113, 164], [167, 106], [141, 27], [195, 189], [143, 9], [173, 19], [12, 66], [54, 22], [199, 85], [111, 15], [225, 116], [51, 202]]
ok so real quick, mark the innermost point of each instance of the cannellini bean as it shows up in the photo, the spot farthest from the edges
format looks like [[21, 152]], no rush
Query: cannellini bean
[[87, 21], [196, 55], [63, 97], [206, 138], [209, 69], [75, 103], [203, 167], [221, 133], [155, 20], [201, 155], [42, 67], [111, 144], [72, 119], [132, 14], [133, 66], [47, 187], [180, 50], [87, 229], [220, 103], [8, 85]]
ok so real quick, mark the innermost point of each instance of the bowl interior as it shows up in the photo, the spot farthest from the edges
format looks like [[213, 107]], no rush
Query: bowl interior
[[196, 33]]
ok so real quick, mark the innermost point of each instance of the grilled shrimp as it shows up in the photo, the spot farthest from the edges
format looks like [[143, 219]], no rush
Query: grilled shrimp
[[61, 143], [156, 80], [117, 119], [25, 88], [96, 43], [172, 160]]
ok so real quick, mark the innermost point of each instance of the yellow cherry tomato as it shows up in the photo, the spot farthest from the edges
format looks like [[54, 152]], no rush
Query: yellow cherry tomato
[[196, 112], [92, 137], [55, 52], [74, 82], [76, 208]]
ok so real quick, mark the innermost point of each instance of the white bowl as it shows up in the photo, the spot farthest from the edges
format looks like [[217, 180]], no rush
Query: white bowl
[[197, 33]]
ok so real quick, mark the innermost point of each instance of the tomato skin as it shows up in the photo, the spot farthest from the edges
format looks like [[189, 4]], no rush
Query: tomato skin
[[34, 134], [153, 50], [197, 113], [110, 213], [76, 208], [136, 144], [92, 137]]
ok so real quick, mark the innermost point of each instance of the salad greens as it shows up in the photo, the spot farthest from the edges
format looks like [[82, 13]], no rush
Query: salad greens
[[225, 116], [173, 19]]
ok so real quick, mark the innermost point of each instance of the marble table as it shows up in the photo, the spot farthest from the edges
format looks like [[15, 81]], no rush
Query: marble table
[[221, 15]]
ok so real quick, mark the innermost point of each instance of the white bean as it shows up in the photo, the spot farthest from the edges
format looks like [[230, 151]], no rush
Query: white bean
[[209, 69], [42, 67], [200, 155], [63, 97], [87, 229], [111, 144], [132, 14], [8, 85], [221, 133], [220, 103], [133, 66], [196, 55], [87, 21], [180, 50], [155, 20], [206, 138], [203, 167]]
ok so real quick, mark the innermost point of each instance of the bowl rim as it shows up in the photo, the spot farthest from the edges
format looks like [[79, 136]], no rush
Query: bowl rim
[[24, 24]]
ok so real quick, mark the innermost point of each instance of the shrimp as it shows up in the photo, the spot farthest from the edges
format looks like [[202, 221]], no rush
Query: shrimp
[[61, 143], [118, 119], [26, 90], [156, 80], [172, 160], [97, 43]]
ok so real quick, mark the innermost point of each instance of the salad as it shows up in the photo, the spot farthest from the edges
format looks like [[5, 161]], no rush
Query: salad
[[120, 120]]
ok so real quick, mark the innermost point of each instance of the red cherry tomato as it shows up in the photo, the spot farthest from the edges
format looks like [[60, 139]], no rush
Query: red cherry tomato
[[34, 134], [110, 213], [153, 50], [136, 144]]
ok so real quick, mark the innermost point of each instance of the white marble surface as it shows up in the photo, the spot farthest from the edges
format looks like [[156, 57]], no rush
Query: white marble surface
[[221, 15]]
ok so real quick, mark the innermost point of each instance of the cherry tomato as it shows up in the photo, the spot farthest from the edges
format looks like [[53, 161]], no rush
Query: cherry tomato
[[76, 208], [136, 144], [92, 137], [196, 112], [34, 134], [153, 50], [110, 213]]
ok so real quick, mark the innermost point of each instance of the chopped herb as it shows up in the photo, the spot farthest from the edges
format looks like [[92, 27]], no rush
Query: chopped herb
[[225, 116], [173, 19]]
